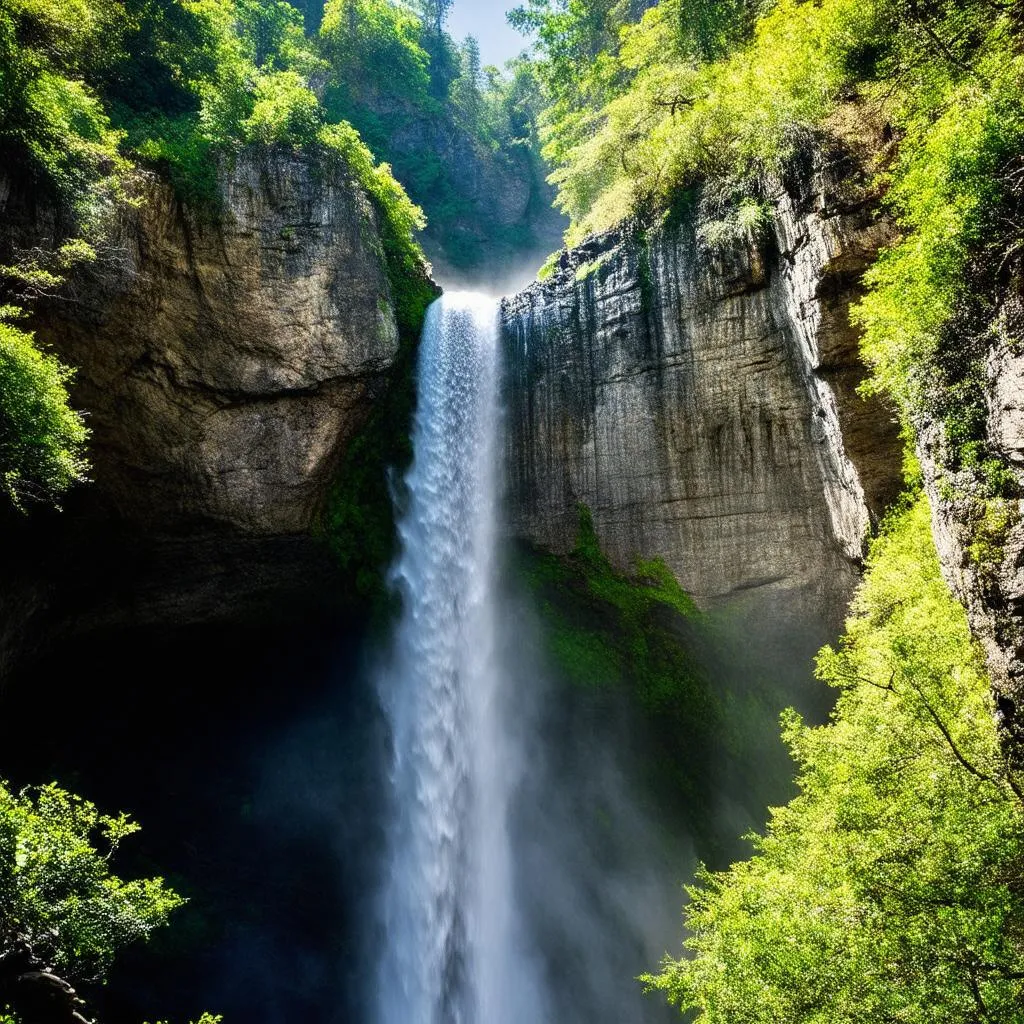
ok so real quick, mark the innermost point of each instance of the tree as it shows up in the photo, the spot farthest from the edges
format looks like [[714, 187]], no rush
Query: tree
[[435, 14], [889, 888], [42, 439], [63, 914], [466, 91], [373, 46]]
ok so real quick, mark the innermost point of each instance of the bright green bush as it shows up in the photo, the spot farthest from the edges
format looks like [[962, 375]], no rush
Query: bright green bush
[[964, 125], [42, 439], [374, 45], [681, 118], [888, 890], [284, 110], [62, 906]]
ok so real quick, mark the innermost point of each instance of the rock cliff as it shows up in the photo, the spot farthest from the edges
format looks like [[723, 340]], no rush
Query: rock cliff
[[224, 363], [698, 393]]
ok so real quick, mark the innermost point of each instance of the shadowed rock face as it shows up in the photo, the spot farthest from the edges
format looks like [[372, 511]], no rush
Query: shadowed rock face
[[225, 365], [701, 400]]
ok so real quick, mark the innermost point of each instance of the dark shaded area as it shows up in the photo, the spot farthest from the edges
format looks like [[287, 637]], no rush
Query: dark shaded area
[[244, 745]]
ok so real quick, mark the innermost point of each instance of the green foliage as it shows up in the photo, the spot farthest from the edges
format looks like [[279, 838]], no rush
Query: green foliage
[[928, 315], [207, 1018], [641, 635], [888, 889], [424, 104], [284, 110], [373, 45], [59, 896], [42, 439], [672, 117], [994, 520], [549, 266]]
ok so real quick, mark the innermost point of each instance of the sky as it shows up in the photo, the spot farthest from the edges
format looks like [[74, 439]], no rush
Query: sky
[[485, 19]]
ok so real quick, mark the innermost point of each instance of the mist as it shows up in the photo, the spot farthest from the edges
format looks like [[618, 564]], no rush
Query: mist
[[501, 846]]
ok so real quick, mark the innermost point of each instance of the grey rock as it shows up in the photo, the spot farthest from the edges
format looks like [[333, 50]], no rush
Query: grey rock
[[224, 366], [701, 400]]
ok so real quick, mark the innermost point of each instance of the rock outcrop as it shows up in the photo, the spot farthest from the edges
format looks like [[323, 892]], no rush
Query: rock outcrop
[[224, 364], [981, 539], [700, 397]]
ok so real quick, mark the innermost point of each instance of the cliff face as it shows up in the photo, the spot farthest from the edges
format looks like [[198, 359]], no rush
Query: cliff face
[[700, 399], [981, 541], [224, 364]]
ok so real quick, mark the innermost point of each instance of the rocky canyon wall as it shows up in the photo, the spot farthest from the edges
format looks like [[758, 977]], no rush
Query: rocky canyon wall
[[224, 363], [695, 386]]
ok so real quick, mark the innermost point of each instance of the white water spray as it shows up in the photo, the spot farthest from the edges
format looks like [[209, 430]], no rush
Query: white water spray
[[452, 948]]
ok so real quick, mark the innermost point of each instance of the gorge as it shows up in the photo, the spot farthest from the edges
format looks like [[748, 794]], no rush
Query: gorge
[[440, 639]]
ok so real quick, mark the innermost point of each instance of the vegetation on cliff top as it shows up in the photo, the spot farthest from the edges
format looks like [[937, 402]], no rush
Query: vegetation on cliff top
[[889, 888]]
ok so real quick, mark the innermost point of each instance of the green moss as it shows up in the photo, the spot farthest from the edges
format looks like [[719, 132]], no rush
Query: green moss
[[644, 272], [591, 268], [640, 634], [549, 266], [358, 519]]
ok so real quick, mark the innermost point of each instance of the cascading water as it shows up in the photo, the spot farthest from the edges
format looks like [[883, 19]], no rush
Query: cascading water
[[452, 950]]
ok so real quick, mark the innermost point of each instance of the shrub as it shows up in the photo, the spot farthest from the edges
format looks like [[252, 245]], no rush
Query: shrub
[[42, 439]]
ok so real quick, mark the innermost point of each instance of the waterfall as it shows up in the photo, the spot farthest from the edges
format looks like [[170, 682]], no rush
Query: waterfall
[[452, 953]]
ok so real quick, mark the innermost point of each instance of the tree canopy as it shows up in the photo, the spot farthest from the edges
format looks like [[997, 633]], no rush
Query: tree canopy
[[64, 914], [889, 889]]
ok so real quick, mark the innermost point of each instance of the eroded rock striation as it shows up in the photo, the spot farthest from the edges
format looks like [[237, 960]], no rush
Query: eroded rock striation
[[695, 387], [225, 362]]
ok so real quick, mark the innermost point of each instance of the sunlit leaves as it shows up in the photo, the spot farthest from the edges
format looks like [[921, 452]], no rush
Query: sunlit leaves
[[886, 890], [57, 889], [42, 439]]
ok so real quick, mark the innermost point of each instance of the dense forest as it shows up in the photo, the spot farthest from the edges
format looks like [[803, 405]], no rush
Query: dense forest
[[890, 887]]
